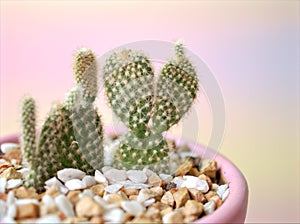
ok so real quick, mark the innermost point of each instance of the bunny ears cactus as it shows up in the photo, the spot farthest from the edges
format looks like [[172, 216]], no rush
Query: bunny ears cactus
[[148, 105], [72, 135]]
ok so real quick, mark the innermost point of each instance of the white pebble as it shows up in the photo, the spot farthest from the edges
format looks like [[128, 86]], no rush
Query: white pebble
[[63, 189], [225, 195], [111, 206], [195, 183], [47, 199], [65, 205], [107, 140], [166, 177], [178, 181], [209, 207], [27, 201], [3, 182], [25, 171], [6, 147], [25, 164], [10, 199], [100, 178], [133, 207], [168, 217], [148, 172], [100, 201], [8, 219], [75, 184], [2, 209], [13, 162], [144, 195], [54, 181], [106, 168], [13, 183], [137, 176], [109, 151], [113, 188], [11, 211], [132, 185], [221, 189], [89, 181], [114, 215], [149, 202], [115, 176], [86, 192], [48, 219], [70, 173], [188, 154], [214, 187], [106, 197]]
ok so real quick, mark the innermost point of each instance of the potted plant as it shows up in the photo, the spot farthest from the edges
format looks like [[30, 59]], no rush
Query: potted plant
[[141, 183]]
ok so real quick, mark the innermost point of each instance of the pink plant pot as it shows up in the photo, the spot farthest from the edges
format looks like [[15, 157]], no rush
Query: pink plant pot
[[234, 208]]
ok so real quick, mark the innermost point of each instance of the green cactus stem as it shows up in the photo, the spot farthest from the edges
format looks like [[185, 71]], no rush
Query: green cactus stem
[[88, 131], [28, 138], [182, 61], [70, 98], [177, 89], [129, 81], [136, 153], [148, 108], [85, 73], [72, 134]]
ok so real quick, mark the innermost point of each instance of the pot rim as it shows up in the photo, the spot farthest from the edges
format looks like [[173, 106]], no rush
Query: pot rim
[[235, 206]]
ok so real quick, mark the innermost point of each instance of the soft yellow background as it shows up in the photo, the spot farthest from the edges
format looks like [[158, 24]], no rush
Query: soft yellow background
[[252, 49]]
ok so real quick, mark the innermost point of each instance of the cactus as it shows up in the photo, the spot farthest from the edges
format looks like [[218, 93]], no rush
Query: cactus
[[88, 131], [136, 153], [177, 88], [72, 134], [28, 139], [148, 108], [129, 81], [70, 98], [123, 72], [85, 73]]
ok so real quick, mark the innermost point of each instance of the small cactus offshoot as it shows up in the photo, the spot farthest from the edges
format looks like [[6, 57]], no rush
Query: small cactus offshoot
[[28, 138], [72, 135], [148, 105]]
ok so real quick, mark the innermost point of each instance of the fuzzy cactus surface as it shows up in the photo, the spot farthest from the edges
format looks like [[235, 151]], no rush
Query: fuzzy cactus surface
[[137, 153], [72, 134], [177, 89], [28, 138], [148, 105], [85, 73], [124, 71]]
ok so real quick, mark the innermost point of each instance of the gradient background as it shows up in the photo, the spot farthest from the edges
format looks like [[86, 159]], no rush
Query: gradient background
[[252, 49]]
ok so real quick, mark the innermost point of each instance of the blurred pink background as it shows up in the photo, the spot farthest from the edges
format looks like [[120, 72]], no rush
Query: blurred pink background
[[252, 49]]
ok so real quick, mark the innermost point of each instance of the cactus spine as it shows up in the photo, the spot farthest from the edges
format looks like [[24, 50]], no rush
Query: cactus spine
[[146, 106], [72, 135]]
